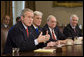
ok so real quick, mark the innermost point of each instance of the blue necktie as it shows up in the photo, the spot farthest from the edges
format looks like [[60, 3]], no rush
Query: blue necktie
[[37, 31]]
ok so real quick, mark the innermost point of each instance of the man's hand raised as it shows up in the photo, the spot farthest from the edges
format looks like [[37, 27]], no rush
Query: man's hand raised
[[43, 38]]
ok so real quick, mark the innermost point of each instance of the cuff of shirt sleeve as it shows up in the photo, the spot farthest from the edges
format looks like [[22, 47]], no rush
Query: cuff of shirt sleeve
[[36, 42]]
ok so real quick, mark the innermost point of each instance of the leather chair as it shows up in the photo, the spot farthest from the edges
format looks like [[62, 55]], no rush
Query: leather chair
[[61, 28]]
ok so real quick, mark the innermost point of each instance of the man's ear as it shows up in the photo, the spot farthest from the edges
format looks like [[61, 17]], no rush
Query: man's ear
[[47, 22], [21, 17]]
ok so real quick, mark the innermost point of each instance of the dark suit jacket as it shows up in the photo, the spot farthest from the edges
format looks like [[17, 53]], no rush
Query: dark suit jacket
[[34, 30], [17, 38], [59, 35], [69, 32], [40, 45]]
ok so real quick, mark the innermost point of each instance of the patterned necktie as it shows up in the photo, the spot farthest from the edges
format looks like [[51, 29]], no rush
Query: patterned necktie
[[74, 30], [27, 32], [37, 31], [53, 35]]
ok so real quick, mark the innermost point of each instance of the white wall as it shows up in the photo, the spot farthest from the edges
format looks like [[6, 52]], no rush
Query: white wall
[[62, 13], [17, 8]]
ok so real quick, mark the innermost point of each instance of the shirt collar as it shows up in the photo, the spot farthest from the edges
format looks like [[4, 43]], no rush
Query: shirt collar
[[24, 26], [35, 26], [72, 26], [51, 29], [5, 25]]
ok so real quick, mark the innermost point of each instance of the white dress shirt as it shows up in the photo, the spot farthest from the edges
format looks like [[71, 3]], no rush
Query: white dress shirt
[[5, 25], [35, 26], [73, 27]]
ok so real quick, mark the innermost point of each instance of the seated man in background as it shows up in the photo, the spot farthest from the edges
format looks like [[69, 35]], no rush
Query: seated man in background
[[37, 19], [21, 36], [18, 19], [72, 30], [4, 31], [6, 21], [53, 31]]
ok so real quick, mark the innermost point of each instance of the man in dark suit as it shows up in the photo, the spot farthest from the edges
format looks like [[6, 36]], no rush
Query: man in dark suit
[[37, 19], [53, 31], [72, 30], [21, 36]]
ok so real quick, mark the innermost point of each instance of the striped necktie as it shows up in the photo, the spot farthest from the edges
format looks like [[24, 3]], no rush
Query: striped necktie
[[53, 35], [74, 30]]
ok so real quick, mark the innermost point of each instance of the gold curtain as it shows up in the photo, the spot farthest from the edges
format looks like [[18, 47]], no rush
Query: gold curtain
[[30, 4], [6, 9]]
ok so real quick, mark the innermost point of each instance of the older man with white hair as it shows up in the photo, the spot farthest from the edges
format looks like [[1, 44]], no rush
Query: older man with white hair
[[37, 19], [72, 30]]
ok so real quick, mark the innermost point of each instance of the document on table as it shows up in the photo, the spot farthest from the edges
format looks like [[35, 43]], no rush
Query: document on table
[[45, 50]]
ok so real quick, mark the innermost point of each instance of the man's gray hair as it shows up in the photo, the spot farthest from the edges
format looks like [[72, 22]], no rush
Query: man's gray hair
[[50, 16], [38, 13], [74, 15], [24, 10]]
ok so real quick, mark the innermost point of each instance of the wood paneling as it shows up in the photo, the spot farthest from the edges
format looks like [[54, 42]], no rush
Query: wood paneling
[[30, 4], [6, 9]]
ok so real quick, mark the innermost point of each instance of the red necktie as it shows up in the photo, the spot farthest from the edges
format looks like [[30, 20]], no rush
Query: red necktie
[[53, 36], [27, 32]]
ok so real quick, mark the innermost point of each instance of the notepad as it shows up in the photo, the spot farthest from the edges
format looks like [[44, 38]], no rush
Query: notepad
[[45, 50]]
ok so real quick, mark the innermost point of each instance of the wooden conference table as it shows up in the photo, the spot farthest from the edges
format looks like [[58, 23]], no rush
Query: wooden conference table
[[73, 50]]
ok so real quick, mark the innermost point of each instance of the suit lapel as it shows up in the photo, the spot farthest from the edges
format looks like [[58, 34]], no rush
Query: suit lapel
[[50, 34], [39, 29], [56, 33], [24, 33], [22, 29], [34, 31]]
